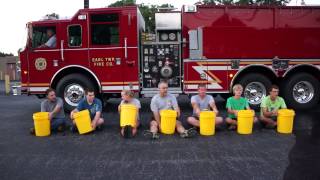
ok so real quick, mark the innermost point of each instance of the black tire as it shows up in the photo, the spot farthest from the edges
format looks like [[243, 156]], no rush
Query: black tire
[[288, 89], [259, 79], [78, 79]]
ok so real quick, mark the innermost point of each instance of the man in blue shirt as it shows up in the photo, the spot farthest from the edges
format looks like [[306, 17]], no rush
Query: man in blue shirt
[[94, 106]]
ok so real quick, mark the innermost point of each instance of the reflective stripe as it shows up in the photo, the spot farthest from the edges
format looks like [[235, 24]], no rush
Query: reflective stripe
[[38, 89], [110, 88], [209, 86], [251, 60], [79, 49]]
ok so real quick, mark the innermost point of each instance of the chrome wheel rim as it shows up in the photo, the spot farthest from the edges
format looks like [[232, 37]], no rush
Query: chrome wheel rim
[[254, 92], [73, 93], [303, 92]]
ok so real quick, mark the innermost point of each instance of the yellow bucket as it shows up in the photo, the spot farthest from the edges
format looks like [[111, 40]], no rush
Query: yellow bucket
[[41, 123], [285, 121], [207, 123], [128, 115], [168, 121], [83, 121], [245, 121]]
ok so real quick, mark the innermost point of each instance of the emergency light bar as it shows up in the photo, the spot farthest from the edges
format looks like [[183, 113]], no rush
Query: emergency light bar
[[82, 17]]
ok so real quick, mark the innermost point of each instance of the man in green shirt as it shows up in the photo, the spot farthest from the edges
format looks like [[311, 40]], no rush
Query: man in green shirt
[[270, 106], [234, 105]]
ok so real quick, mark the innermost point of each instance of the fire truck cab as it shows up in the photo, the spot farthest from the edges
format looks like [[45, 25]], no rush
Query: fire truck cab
[[219, 46], [96, 47]]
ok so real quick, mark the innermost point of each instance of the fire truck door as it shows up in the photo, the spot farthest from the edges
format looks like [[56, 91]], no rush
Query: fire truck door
[[106, 50], [44, 51], [130, 51], [75, 49]]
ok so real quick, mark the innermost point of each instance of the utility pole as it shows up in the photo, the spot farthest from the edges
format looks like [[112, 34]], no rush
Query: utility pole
[[86, 4]]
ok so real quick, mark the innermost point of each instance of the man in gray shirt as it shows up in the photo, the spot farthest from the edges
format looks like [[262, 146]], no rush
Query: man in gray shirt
[[202, 102], [163, 100], [53, 105]]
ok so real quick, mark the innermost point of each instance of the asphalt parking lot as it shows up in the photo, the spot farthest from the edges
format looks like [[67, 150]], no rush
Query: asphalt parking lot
[[105, 155]]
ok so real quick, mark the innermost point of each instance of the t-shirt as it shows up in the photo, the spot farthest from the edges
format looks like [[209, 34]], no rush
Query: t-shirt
[[271, 105], [236, 104], [51, 43], [134, 102], [159, 103], [202, 103], [95, 107], [48, 106]]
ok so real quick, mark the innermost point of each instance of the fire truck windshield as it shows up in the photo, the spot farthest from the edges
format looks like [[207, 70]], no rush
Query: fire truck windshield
[[26, 38]]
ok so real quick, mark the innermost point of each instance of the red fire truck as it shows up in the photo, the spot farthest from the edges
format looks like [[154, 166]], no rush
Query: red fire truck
[[219, 46]]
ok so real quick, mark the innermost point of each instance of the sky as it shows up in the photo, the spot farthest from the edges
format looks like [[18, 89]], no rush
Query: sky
[[14, 14]]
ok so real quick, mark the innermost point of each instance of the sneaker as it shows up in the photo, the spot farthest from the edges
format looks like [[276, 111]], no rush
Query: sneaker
[[127, 131], [151, 135], [192, 132], [74, 129], [32, 131]]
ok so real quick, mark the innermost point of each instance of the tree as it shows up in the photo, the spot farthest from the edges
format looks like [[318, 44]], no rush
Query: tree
[[123, 3], [5, 54], [52, 16], [216, 2], [246, 2], [146, 11], [148, 14]]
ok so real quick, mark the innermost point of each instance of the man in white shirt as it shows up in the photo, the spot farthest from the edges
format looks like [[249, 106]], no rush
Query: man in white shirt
[[52, 41]]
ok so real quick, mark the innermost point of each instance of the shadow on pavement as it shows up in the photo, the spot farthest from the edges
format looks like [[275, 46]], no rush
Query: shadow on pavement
[[304, 157]]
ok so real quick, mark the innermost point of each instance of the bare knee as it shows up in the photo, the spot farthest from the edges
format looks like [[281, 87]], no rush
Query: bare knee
[[193, 121], [100, 121], [219, 120], [228, 120], [231, 121], [190, 120], [264, 119]]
